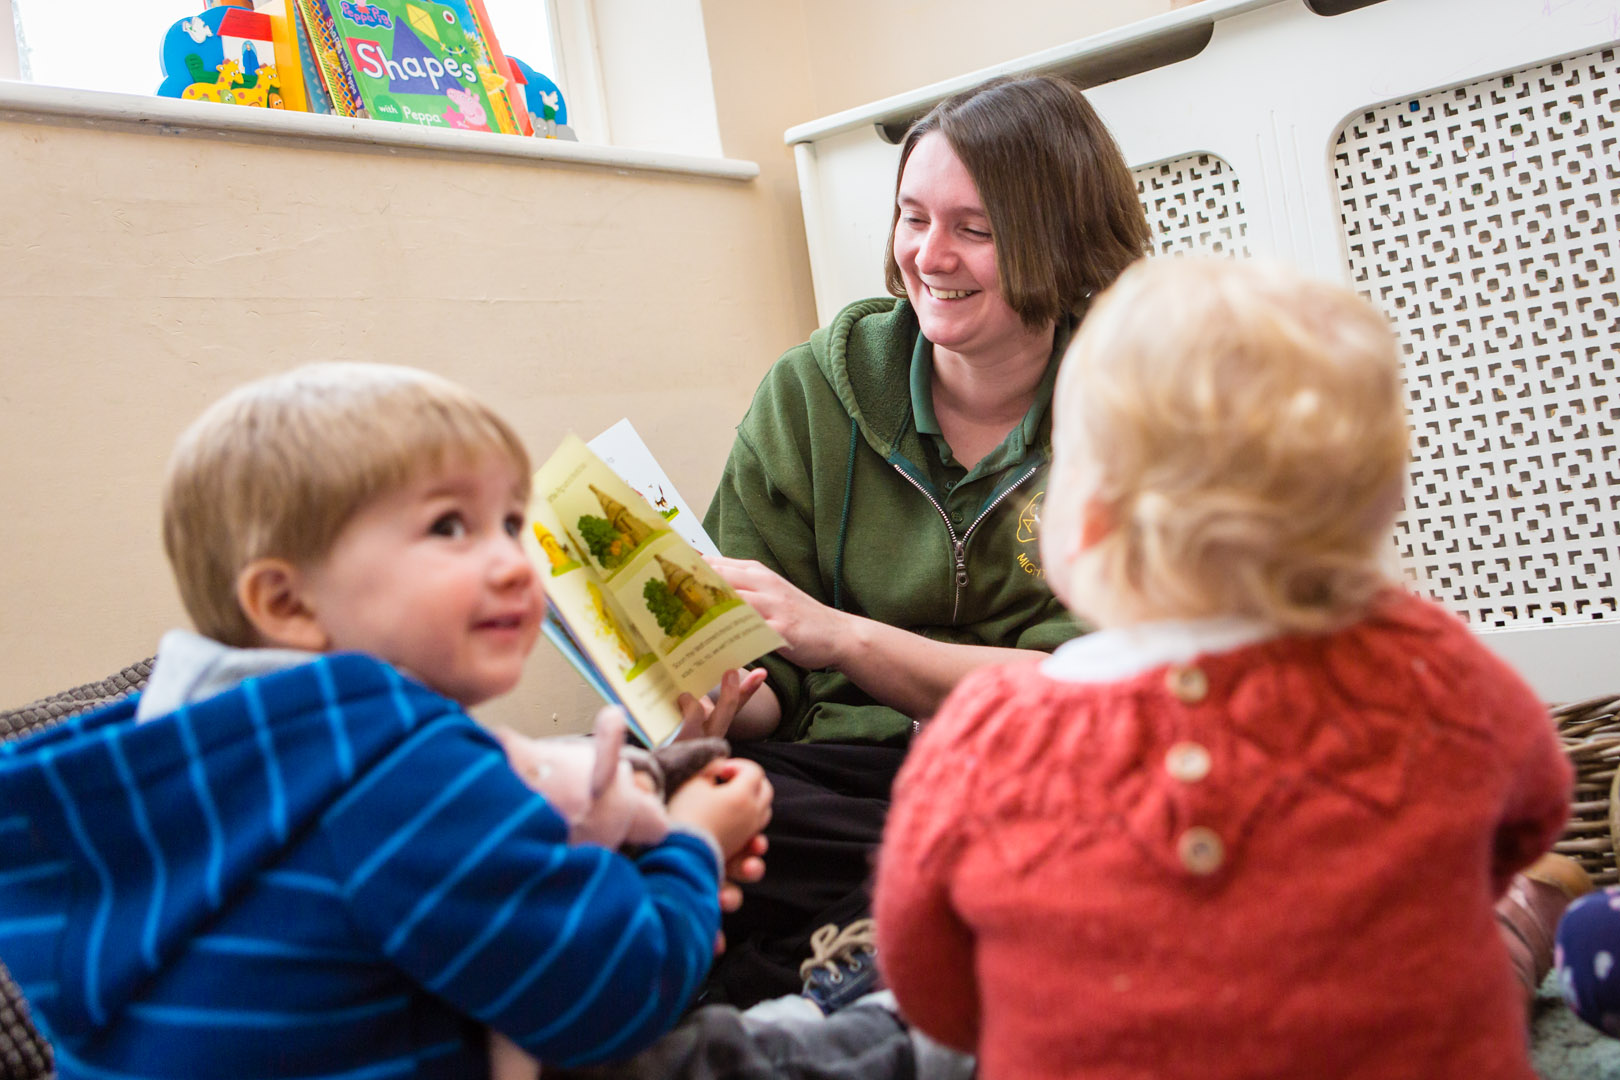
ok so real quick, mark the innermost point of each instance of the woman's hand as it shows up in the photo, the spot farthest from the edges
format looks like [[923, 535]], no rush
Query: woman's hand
[[712, 714], [811, 629]]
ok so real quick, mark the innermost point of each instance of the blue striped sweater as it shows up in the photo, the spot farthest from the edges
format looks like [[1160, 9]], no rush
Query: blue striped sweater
[[328, 871]]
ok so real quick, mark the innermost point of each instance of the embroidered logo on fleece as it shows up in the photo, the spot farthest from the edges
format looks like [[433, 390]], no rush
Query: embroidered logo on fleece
[[1029, 535]]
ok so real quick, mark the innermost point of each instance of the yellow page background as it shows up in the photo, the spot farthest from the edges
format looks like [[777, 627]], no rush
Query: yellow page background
[[602, 633], [715, 630]]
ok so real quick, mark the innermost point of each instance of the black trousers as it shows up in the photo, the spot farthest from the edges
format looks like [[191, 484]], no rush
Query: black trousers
[[827, 821]]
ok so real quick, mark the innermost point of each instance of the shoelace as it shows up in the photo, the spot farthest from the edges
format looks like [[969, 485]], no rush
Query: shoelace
[[831, 946]]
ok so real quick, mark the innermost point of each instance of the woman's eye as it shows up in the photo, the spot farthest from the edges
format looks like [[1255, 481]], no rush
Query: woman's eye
[[978, 234], [912, 220], [514, 525], [452, 525]]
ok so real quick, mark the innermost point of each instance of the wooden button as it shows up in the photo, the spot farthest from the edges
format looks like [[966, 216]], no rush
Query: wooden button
[[1187, 761], [1189, 684], [1201, 850]]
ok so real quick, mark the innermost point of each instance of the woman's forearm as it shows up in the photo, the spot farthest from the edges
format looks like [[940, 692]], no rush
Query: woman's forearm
[[908, 672]]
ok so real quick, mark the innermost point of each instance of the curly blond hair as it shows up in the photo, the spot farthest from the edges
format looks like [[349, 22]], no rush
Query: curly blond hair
[[1229, 438]]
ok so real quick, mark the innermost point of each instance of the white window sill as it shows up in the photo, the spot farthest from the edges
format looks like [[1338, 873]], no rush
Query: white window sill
[[28, 102]]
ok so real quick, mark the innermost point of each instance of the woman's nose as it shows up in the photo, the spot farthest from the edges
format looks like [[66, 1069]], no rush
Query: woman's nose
[[934, 252]]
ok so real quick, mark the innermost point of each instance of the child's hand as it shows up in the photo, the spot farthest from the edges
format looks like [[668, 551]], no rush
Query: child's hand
[[743, 868], [731, 799], [712, 714], [748, 865]]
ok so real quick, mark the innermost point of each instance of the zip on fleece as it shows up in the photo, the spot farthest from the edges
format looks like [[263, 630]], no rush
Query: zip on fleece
[[959, 543]]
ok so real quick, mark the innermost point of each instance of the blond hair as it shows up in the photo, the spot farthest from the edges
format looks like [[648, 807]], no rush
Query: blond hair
[[1061, 201], [1240, 431], [278, 467]]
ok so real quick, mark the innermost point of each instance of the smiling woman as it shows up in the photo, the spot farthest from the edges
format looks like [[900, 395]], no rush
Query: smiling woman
[[881, 504]]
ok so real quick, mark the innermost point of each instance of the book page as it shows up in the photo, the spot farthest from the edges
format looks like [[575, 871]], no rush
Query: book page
[[624, 664], [695, 625], [621, 449]]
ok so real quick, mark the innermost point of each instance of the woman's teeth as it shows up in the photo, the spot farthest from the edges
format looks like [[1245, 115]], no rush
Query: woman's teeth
[[948, 294]]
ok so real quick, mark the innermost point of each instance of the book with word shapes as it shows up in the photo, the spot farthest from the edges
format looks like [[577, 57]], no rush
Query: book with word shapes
[[631, 603], [425, 63]]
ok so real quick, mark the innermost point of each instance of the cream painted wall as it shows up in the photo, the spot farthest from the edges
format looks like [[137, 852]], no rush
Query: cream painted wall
[[864, 50], [141, 276]]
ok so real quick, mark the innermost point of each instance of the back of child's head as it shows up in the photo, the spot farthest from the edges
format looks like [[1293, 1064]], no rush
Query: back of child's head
[[1237, 434], [278, 467]]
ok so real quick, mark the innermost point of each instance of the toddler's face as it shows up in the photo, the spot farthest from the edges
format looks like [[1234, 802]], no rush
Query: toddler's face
[[432, 578]]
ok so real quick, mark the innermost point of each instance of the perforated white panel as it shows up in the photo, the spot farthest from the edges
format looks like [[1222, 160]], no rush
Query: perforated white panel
[[1193, 203], [1482, 218]]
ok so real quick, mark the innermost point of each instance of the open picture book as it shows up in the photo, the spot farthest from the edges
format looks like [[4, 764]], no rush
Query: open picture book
[[631, 603]]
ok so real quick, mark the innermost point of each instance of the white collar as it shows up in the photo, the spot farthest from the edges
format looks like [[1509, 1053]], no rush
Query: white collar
[[191, 667], [1119, 653]]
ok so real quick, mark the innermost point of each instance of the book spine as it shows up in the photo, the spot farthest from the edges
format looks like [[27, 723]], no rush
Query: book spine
[[502, 93], [330, 57]]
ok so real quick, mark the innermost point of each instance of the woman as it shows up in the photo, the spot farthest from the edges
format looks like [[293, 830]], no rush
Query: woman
[[880, 506]]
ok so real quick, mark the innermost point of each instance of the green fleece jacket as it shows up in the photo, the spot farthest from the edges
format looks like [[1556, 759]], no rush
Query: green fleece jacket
[[831, 484]]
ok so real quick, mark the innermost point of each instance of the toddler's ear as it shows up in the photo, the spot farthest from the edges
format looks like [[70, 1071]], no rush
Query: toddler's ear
[[270, 592], [1096, 522]]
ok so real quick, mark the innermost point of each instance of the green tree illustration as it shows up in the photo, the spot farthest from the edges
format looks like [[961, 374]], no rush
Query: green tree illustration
[[606, 543], [666, 607]]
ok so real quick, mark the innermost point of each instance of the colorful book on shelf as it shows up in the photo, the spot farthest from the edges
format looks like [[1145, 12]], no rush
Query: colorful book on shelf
[[409, 61], [501, 72], [331, 61], [631, 603]]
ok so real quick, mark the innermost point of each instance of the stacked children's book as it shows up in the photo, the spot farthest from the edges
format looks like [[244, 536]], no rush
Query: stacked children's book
[[434, 64]]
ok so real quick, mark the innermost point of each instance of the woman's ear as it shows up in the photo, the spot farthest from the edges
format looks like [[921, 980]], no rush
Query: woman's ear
[[270, 592]]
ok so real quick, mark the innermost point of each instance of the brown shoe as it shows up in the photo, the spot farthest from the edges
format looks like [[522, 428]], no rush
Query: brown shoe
[[1528, 914]]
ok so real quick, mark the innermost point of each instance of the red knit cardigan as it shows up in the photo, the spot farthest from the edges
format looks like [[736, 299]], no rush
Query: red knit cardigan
[[1278, 861]]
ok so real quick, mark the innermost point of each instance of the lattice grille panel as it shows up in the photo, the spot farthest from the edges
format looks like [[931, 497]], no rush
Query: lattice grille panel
[[1483, 219], [1193, 203]]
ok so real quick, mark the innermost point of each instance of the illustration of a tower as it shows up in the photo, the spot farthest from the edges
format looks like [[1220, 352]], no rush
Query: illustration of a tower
[[621, 518], [693, 594]]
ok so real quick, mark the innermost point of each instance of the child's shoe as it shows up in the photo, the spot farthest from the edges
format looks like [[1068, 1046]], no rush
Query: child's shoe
[[1528, 914], [842, 965]]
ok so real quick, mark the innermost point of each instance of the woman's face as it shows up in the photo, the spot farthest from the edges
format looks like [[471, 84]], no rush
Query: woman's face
[[946, 255]]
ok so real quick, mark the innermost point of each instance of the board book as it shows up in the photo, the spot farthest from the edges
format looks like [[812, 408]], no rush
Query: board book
[[631, 602], [411, 61]]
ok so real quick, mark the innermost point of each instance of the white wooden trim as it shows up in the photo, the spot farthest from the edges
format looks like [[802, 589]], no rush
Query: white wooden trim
[[170, 116], [579, 68], [10, 66]]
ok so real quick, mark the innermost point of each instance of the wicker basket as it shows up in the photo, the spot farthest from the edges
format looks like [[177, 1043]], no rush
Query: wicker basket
[[1590, 731]]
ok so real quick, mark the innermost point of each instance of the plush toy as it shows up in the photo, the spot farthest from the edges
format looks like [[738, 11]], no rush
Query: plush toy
[[610, 794]]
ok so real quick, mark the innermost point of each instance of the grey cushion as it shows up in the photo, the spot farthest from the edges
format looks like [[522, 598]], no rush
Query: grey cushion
[[24, 1055]]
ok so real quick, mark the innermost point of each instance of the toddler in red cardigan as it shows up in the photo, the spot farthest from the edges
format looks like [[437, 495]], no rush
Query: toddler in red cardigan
[[1254, 825]]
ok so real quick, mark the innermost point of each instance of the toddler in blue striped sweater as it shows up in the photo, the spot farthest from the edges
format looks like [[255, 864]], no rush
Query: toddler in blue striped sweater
[[295, 854]]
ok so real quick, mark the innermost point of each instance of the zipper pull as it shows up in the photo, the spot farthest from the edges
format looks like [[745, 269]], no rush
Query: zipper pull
[[961, 563]]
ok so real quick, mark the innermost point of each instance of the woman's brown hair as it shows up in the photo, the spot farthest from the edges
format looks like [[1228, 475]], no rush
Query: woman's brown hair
[[1061, 201]]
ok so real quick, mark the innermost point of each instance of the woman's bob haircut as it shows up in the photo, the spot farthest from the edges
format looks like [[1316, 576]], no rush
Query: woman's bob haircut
[[1062, 203]]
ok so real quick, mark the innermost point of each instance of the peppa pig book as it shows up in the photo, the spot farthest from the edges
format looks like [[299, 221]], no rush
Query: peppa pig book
[[426, 63]]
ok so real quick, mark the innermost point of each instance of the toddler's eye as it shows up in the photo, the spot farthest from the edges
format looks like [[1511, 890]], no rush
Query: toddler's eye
[[514, 525], [452, 525]]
